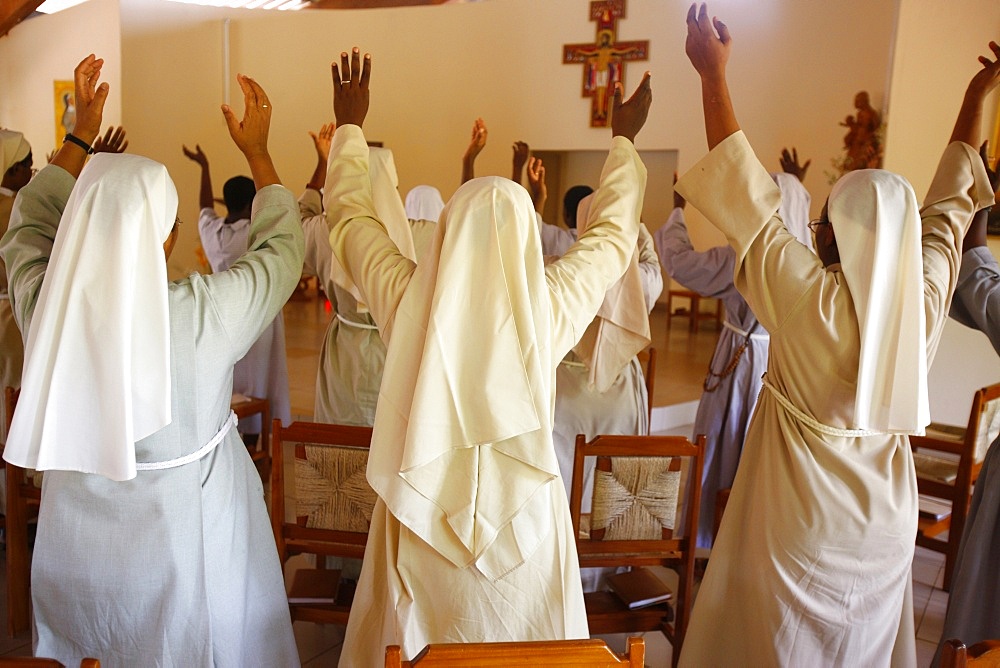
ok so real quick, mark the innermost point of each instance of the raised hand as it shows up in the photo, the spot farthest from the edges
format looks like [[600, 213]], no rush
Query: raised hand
[[197, 155], [790, 164], [627, 118], [967, 126], [90, 98], [476, 145], [350, 88], [520, 158], [536, 183], [706, 51], [322, 140], [250, 134], [113, 141]]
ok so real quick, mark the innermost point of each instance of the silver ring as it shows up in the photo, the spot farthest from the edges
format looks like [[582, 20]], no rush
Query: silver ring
[[345, 82]]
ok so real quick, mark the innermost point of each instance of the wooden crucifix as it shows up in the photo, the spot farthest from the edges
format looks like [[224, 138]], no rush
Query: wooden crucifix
[[604, 60]]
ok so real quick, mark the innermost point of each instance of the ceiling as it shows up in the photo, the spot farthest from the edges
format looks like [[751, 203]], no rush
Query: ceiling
[[13, 12]]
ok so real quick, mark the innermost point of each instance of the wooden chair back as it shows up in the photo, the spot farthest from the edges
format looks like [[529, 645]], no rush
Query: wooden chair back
[[333, 502], [647, 358], [984, 654], [951, 477], [634, 522], [580, 653], [23, 497]]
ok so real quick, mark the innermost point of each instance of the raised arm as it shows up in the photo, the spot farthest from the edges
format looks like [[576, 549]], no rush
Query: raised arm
[[90, 99], [970, 115], [250, 133], [709, 54], [536, 183], [205, 198], [113, 141], [364, 256], [790, 164], [321, 141], [476, 145], [521, 151]]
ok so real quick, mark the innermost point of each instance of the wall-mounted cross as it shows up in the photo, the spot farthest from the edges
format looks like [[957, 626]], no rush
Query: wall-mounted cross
[[604, 60]]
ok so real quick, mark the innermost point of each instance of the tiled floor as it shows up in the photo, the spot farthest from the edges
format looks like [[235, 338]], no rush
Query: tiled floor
[[682, 359]]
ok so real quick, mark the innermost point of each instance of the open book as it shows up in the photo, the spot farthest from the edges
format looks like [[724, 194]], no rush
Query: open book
[[639, 587], [314, 585]]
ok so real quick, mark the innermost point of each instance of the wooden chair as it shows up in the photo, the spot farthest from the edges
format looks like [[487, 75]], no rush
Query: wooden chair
[[647, 359], [333, 503], [693, 313], [985, 654], [24, 495], [633, 523], [39, 662], [952, 477], [260, 452], [582, 653]]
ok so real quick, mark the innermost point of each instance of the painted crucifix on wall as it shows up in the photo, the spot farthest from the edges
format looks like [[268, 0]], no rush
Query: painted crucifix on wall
[[604, 60]]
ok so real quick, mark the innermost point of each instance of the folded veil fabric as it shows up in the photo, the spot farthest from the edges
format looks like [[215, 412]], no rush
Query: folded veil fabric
[[621, 328], [13, 149], [462, 444], [97, 354], [389, 207], [424, 203], [876, 221]]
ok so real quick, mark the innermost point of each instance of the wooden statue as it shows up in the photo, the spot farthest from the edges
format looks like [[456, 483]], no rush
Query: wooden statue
[[863, 141]]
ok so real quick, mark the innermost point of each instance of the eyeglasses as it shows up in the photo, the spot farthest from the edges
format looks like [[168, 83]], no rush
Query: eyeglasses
[[814, 224]]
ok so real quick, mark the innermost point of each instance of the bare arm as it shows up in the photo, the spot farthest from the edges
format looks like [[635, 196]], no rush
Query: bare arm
[[970, 115], [90, 99], [476, 145], [709, 54], [205, 198], [250, 133], [322, 142], [520, 158]]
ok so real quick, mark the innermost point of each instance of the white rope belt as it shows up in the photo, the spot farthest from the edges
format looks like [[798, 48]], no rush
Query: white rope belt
[[359, 325], [757, 336], [813, 422], [194, 456]]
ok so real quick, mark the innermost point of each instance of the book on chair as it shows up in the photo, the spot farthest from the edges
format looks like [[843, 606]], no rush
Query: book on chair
[[639, 588], [314, 585]]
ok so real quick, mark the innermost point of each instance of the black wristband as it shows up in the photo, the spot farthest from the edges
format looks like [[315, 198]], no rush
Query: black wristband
[[73, 139]]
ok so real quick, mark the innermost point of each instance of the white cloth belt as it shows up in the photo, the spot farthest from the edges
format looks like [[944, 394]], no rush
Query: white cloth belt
[[359, 325], [756, 336], [194, 456], [810, 421]]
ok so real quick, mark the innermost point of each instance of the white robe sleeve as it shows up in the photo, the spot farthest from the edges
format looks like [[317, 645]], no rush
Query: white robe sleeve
[[709, 273], [649, 268], [977, 295]]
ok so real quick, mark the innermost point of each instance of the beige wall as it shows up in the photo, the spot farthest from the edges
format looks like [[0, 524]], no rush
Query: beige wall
[[795, 68]]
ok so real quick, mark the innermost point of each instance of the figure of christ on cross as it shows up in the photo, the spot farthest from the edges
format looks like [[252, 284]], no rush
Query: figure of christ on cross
[[604, 58]]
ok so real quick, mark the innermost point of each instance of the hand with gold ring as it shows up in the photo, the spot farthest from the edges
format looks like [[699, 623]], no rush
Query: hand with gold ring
[[250, 134], [350, 88]]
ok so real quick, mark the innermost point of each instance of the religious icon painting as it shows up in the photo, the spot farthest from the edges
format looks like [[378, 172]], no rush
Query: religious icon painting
[[65, 108], [604, 59]]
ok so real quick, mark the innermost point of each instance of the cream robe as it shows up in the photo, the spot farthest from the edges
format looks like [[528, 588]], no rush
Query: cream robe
[[812, 562], [409, 594], [352, 355]]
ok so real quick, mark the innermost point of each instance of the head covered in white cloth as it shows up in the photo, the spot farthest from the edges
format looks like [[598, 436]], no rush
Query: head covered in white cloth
[[97, 355], [794, 208], [424, 203], [462, 449], [389, 208], [13, 149], [876, 221], [621, 328]]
